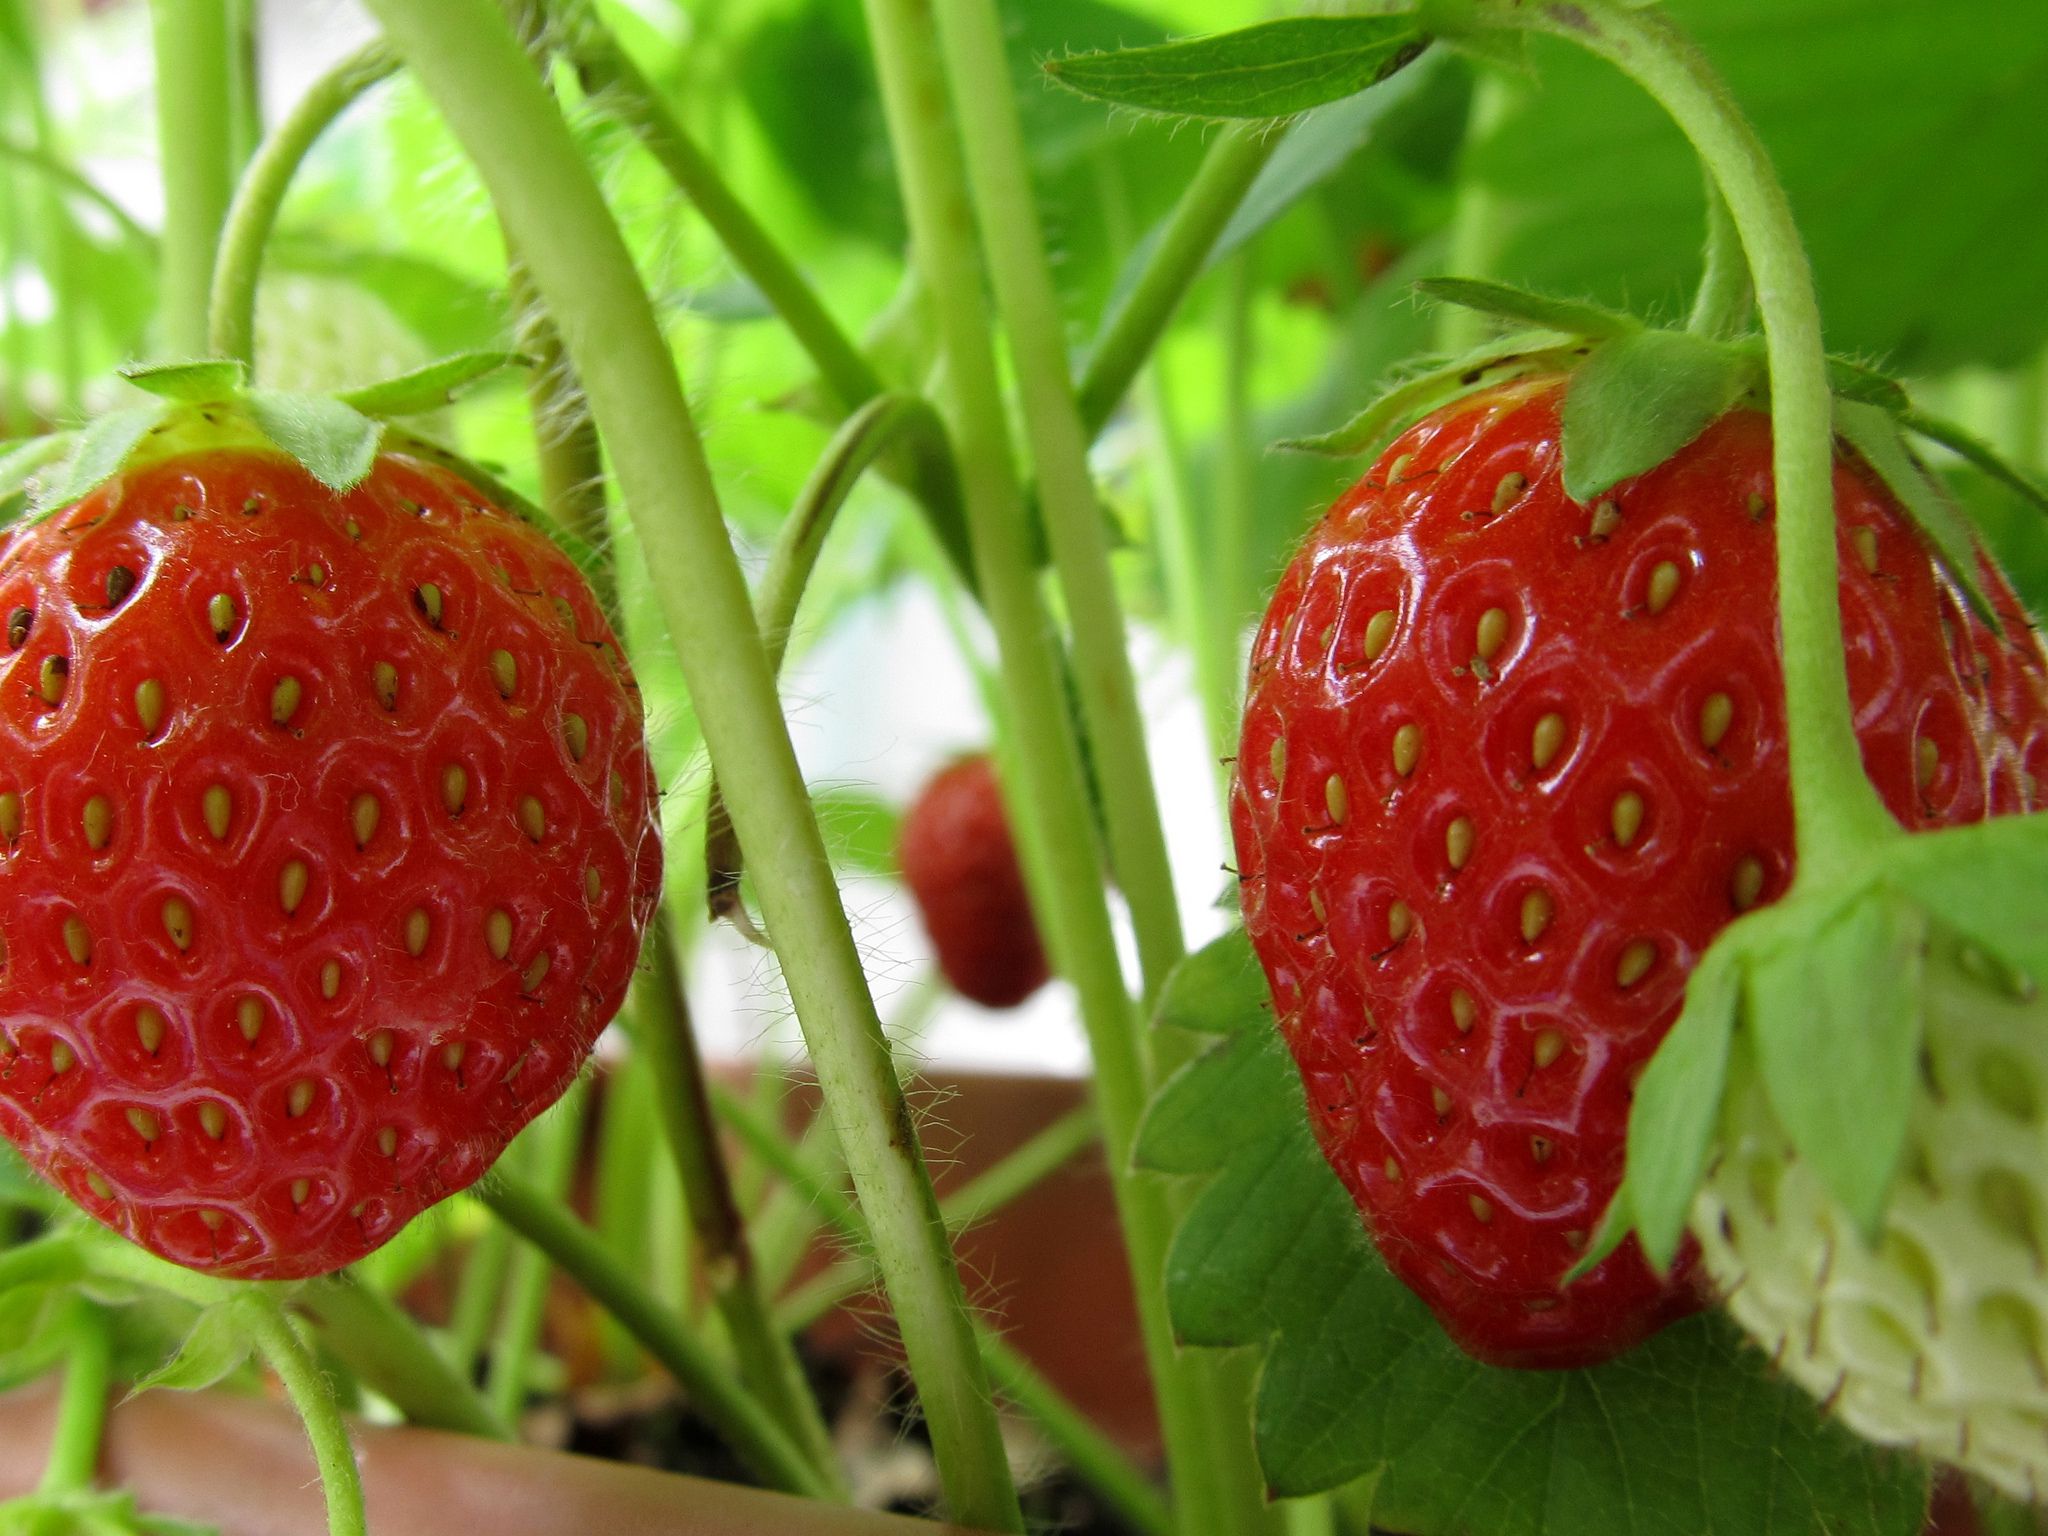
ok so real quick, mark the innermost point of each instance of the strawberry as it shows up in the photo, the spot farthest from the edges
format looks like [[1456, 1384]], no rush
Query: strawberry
[[1508, 765], [327, 837], [960, 863]]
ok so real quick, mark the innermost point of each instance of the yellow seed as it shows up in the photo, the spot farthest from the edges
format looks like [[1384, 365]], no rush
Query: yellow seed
[[1407, 748], [504, 673], [99, 1186], [249, 1018], [452, 1054], [352, 528], [1540, 1148], [498, 933], [384, 679], [593, 884], [220, 613], [149, 1028], [145, 1123], [1392, 1170], [1606, 518], [149, 705], [77, 941], [1482, 1208], [1399, 467], [1511, 485], [1663, 585], [1276, 760], [1400, 921], [618, 792], [1336, 798], [217, 808], [533, 820], [1717, 713], [1536, 914], [536, 973], [1491, 634], [299, 1098], [62, 1059], [1441, 1101], [1464, 1012], [1747, 883], [1379, 633], [99, 822], [10, 815], [1626, 817], [1458, 842], [178, 922], [364, 813], [428, 596], [1547, 740], [50, 680], [576, 733], [1926, 761], [387, 1140], [1865, 540], [1549, 1046], [381, 1044], [1635, 963], [213, 1120], [301, 1190], [1315, 905], [330, 979], [317, 575], [454, 788], [284, 700], [19, 623], [291, 885], [417, 927]]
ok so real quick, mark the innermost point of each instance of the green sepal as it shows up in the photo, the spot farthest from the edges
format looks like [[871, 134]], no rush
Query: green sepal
[[20, 460], [1271, 70], [222, 1338], [90, 1512], [1876, 435], [1978, 453], [1503, 302], [1851, 380], [1834, 1010], [431, 387], [1404, 402], [1987, 883], [335, 442], [194, 383], [102, 448], [1639, 399]]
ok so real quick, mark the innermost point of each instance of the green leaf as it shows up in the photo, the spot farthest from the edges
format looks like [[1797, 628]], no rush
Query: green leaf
[[1569, 316], [1988, 882], [736, 302], [1274, 69], [1834, 1013], [1851, 380], [335, 442], [1875, 435], [429, 388], [1690, 1433], [221, 1339], [1980, 455], [195, 383], [102, 448], [1639, 399], [860, 830]]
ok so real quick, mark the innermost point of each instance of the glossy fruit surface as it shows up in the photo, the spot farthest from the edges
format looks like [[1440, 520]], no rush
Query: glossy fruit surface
[[1508, 764], [960, 863], [329, 837]]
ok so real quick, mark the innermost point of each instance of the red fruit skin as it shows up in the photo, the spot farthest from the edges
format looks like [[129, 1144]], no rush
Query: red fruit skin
[[1483, 1156], [961, 866], [377, 1079]]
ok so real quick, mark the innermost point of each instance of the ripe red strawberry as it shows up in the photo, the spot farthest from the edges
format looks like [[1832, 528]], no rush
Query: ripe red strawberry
[[327, 837], [1508, 764], [961, 865]]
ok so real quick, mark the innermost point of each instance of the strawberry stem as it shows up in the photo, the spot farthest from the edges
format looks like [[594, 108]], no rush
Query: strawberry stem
[[1837, 811], [194, 87], [82, 1404], [312, 1394], [1722, 306], [381, 1344]]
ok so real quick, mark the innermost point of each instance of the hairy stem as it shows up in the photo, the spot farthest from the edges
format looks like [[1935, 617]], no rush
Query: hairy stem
[[1722, 306], [386, 1350], [194, 89], [313, 1396], [82, 1404]]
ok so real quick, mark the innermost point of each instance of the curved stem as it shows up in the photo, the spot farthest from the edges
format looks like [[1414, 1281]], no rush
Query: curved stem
[[194, 88], [1721, 307], [231, 318], [313, 1396], [82, 1405], [1227, 172], [385, 1349], [470, 64], [1837, 812], [71, 181], [737, 1418]]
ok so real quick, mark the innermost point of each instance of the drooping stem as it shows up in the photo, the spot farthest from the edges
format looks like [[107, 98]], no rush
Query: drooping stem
[[313, 1396], [550, 1145], [1722, 305], [82, 1404], [386, 1350], [477, 1293], [1837, 812], [473, 68], [231, 322], [195, 129]]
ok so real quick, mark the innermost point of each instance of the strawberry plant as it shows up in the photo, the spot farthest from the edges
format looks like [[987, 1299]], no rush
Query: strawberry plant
[[506, 534]]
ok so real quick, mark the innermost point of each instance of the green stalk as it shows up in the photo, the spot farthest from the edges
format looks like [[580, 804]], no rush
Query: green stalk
[[738, 1418], [1837, 812], [473, 68], [313, 1396], [82, 1403], [476, 1295], [1227, 172], [1013, 236], [551, 1147], [231, 318], [386, 1350], [74, 183], [1722, 306], [195, 127], [1477, 222]]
